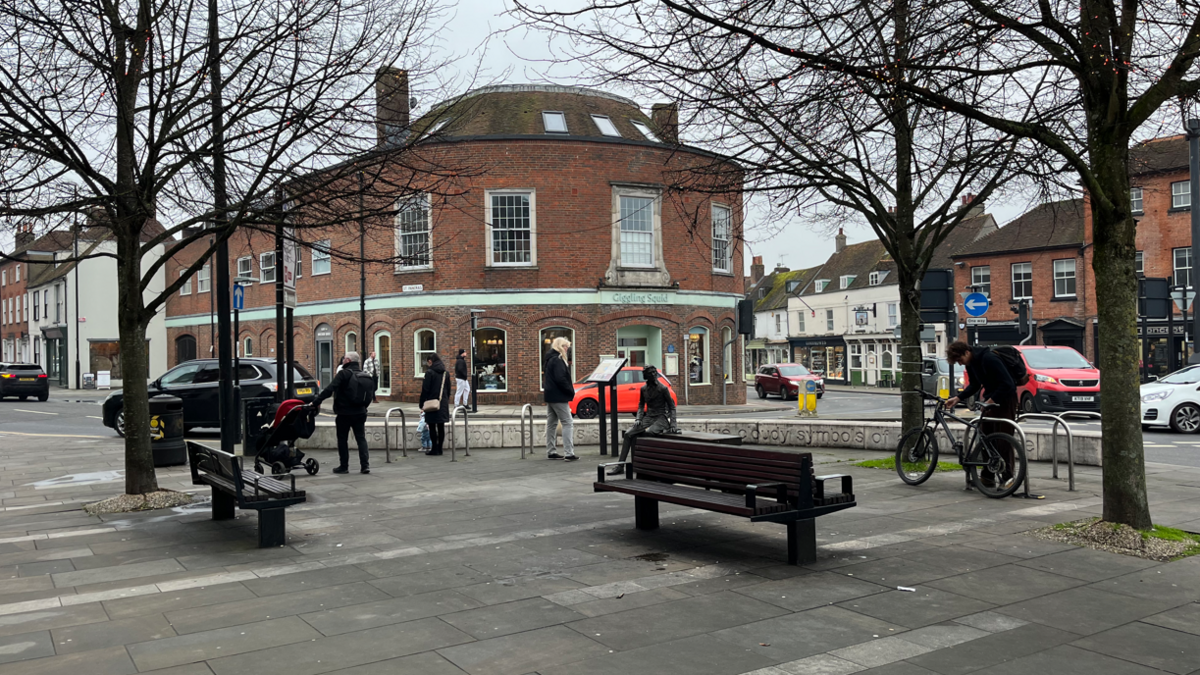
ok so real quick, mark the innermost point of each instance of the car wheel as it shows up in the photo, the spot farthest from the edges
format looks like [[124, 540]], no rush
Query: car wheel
[[1028, 405], [820, 395], [44, 397], [119, 423], [758, 389], [23, 398], [588, 409], [1186, 418], [1145, 427]]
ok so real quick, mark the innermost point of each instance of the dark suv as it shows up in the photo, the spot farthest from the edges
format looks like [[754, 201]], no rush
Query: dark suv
[[196, 382], [24, 380]]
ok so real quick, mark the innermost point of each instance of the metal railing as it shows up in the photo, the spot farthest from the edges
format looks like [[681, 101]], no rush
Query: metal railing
[[529, 407], [387, 437], [1058, 421], [466, 433], [1024, 446]]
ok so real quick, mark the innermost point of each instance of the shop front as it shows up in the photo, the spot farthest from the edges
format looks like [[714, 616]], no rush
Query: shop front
[[873, 360], [825, 356], [1164, 348]]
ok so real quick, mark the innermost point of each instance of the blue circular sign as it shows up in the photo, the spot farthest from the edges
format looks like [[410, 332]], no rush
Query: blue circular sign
[[810, 386], [976, 304]]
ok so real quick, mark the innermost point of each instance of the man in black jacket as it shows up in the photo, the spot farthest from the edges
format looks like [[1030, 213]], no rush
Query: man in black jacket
[[462, 379], [350, 414], [985, 371]]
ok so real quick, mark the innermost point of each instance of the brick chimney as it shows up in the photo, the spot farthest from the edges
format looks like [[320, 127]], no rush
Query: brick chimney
[[757, 270], [976, 210], [839, 242], [24, 235], [391, 105], [666, 121]]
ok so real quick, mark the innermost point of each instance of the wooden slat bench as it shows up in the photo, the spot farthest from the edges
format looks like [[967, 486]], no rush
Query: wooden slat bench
[[762, 485], [234, 486]]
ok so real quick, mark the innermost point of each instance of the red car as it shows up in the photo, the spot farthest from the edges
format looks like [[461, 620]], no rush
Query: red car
[[586, 405], [785, 380], [1060, 379]]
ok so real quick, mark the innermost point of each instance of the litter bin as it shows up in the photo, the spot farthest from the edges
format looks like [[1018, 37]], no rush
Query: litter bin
[[166, 430]]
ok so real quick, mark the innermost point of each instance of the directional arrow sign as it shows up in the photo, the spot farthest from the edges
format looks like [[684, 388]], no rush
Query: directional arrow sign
[[976, 304], [239, 297]]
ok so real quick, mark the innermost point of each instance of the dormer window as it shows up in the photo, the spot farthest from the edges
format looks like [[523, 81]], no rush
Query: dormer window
[[606, 126], [821, 284], [792, 286], [644, 131], [846, 280], [555, 122], [873, 279], [438, 126]]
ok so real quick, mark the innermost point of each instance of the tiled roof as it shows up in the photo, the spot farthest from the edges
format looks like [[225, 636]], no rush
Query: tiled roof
[[1051, 225], [1160, 154], [777, 284]]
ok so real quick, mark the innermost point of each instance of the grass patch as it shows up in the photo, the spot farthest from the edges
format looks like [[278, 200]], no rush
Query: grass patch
[[889, 463], [1158, 543], [1171, 534]]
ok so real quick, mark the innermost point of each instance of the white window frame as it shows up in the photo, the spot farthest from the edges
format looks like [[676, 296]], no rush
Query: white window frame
[[263, 268], [1177, 268], [37, 300], [418, 359], [722, 238], [778, 323], [490, 236], [204, 279], [977, 273], [1181, 194], [705, 366], [186, 287], [405, 207], [245, 266], [601, 120], [656, 245], [1136, 200], [321, 252], [727, 353], [1026, 269], [644, 130], [873, 279], [1061, 273], [248, 346], [507, 373], [548, 115], [346, 343], [829, 320], [800, 322], [1139, 262], [893, 314], [845, 280], [820, 285], [17, 273]]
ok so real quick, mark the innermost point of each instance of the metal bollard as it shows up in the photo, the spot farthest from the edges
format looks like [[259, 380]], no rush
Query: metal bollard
[[1054, 445], [1024, 445], [387, 438], [466, 433], [529, 407]]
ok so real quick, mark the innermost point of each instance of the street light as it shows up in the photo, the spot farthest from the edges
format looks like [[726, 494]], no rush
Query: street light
[[474, 375]]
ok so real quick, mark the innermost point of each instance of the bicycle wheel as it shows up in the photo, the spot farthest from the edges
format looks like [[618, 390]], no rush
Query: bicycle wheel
[[916, 456], [986, 451]]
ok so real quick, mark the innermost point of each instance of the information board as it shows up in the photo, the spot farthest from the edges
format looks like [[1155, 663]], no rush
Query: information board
[[607, 370]]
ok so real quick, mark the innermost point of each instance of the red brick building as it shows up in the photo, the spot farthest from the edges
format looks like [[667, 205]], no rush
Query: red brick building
[[15, 341], [567, 226], [1046, 255]]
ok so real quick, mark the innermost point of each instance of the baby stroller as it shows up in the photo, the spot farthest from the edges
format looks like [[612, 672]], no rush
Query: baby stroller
[[277, 444]]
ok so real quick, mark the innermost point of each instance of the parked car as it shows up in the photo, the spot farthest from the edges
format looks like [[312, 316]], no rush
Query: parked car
[[1060, 380], [24, 380], [785, 380], [935, 367], [196, 383], [586, 403], [1173, 401]]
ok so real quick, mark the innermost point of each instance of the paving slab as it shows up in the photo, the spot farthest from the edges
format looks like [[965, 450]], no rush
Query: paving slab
[[1006, 584], [1148, 645], [1085, 610], [361, 616], [428, 663], [1067, 660], [512, 617], [211, 644], [523, 652], [118, 632], [1088, 564], [26, 646], [922, 607], [802, 634], [108, 661], [697, 655], [56, 617], [811, 590], [990, 650], [1185, 618]]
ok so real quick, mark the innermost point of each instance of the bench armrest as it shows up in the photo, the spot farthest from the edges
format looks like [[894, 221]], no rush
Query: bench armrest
[[819, 484], [601, 473], [752, 493]]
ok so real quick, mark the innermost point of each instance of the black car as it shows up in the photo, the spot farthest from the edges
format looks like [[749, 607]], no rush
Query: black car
[[24, 380], [196, 383]]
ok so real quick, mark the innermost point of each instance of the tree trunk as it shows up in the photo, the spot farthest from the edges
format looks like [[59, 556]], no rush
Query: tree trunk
[[1115, 245], [911, 405], [139, 460]]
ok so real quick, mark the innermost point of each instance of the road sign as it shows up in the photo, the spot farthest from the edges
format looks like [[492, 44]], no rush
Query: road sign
[[289, 259], [1183, 298], [976, 304], [976, 320], [289, 298], [239, 297]]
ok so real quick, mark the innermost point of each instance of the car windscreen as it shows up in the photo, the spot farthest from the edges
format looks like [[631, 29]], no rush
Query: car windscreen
[[25, 367], [301, 373], [793, 371], [1185, 376], [1050, 359]]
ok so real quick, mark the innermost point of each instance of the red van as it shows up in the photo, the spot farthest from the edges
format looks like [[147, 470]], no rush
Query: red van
[[1060, 379]]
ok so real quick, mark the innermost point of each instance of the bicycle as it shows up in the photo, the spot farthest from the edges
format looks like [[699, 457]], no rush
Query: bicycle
[[917, 452]]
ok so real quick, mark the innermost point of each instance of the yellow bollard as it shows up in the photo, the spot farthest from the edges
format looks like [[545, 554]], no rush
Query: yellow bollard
[[806, 402], [943, 387]]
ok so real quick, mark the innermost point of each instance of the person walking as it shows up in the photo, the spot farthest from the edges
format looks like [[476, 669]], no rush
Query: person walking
[[352, 390], [462, 380], [987, 372], [558, 391], [436, 387], [655, 415], [371, 367]]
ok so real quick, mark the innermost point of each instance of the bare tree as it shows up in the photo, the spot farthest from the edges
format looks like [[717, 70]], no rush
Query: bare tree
[[828, 146], [106, 108]]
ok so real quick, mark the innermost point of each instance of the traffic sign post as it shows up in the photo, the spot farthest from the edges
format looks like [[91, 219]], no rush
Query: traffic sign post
[[976, 304]]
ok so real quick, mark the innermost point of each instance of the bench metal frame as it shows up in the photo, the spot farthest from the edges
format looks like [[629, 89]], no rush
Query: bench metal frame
[[235, 487]]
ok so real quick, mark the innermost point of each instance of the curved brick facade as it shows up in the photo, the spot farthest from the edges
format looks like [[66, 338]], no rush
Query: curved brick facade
[[576, 277]]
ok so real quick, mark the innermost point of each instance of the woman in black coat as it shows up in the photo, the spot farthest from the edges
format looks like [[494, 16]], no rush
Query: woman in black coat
[[435, 376]]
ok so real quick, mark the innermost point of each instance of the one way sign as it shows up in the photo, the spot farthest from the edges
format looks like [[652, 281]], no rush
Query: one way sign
[[239, 297], [976, 304]]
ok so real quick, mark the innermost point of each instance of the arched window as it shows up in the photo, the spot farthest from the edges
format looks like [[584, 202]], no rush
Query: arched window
[[727, 343], [424, 343], [547, 336], [383, 352], [697, 356], [491, 359], [248, 346], [352, 343], [185, 348]]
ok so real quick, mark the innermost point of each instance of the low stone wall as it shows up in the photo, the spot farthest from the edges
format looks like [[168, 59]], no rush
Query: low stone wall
[[798, 433]]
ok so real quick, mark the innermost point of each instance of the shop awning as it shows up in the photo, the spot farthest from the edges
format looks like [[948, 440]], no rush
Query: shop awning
[[756, 344]]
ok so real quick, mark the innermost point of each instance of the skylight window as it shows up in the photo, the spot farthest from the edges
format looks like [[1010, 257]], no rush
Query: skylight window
[[606, 126], [438, 126], [644, 130], [556, 122]]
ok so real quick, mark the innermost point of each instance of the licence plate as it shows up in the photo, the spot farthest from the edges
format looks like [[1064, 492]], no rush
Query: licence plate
[[1083, 399], [305, 391], [28, 379]]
